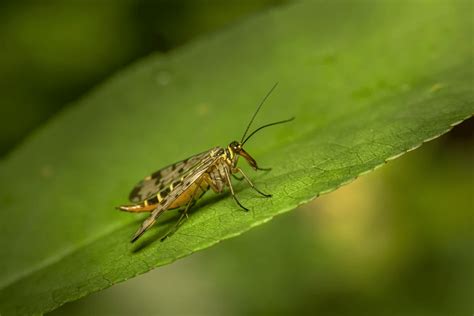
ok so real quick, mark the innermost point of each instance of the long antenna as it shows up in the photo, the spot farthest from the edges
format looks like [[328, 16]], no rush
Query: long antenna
[[258, 109], [266, 125]]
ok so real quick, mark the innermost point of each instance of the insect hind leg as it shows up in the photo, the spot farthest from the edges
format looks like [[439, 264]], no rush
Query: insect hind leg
[[184, 214]]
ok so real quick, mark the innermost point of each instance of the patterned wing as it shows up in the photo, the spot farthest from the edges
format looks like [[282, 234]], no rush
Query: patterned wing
[[162, 178], [191, 177]]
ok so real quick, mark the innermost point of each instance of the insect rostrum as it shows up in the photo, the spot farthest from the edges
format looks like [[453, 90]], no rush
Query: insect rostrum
[[181, 184]]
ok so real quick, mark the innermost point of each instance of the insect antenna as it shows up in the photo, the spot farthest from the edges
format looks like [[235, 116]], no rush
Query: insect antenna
[[266, 125], [258, 109]]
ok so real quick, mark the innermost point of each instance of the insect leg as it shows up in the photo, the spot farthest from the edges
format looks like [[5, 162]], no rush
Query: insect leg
[[263, 169], [251, 184], [229, 183], [215, 184], [184, 213], [237, 178]]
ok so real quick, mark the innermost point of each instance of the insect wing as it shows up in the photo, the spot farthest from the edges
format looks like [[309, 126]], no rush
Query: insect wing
[[161, 179], [197, 171], [190, 178]]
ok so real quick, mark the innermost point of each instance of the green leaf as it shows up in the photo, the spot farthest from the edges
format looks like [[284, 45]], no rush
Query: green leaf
[[367, 82], [406, 239]]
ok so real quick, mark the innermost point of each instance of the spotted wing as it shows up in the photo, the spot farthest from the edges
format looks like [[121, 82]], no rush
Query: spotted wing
[[163, 178], [193, 175]]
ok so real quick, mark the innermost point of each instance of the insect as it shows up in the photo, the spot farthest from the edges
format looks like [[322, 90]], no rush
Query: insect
[[180, 185]]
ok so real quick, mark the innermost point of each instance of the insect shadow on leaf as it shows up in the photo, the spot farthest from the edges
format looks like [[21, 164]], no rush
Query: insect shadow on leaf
[[167, 224]]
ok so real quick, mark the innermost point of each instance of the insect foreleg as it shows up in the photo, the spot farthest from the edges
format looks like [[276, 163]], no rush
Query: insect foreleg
[[237, 178], [251, 184], [229, 183]]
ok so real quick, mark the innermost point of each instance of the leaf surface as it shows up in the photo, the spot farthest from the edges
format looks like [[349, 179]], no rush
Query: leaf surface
[[367, 82]]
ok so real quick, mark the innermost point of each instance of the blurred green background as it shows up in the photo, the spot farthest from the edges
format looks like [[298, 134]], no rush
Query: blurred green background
[[54, 51], [396, 242]]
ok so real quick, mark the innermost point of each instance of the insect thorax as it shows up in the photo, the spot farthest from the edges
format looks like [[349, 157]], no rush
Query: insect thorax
[[225, 155]]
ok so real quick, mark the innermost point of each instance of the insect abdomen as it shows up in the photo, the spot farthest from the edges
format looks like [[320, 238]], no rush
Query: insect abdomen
[[193, 192], [142, 207], [147, 205]]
